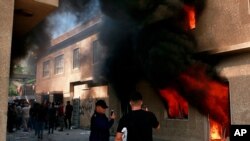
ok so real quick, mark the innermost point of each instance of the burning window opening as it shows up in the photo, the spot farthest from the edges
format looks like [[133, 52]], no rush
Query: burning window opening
[[190, 11], [177, 106], [203, 91], [216, 131]]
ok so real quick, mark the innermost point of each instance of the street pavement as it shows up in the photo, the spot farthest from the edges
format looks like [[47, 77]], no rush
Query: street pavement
[[66, 135]]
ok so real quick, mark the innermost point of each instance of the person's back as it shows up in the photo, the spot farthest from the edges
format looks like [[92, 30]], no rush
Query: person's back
[[139, 124], [68, 115], [52, 118], [68, 110], [52, 113], [25, 111]]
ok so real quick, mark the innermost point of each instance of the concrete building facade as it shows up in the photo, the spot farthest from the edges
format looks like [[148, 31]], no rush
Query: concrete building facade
[[222, 29], [65, 72], [80, 86]]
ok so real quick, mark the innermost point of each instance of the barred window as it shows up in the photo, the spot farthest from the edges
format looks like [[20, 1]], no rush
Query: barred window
[[59, 64], [46, 67], [76, 58]]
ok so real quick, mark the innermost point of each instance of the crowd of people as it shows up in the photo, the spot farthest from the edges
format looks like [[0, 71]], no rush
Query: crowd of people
[[136, 125], [30, 115]]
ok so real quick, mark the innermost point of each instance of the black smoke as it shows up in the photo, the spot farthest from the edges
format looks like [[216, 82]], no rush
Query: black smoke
[[146, 40]]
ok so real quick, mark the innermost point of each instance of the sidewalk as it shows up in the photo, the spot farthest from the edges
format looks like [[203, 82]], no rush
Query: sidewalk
[[66, 135]]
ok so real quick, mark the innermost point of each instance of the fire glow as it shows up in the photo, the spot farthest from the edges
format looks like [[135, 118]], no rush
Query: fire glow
[[190, 11], [177, 105], [210, 96], [154, 43], [216, 131]]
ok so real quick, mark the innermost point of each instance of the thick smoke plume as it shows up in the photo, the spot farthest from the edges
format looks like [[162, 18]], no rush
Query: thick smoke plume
[[66, 16], [147, 39], [69, 14], [152, 40]]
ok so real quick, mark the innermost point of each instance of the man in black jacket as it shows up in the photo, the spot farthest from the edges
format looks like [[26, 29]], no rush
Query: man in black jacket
[[100, 124], [68, 115]]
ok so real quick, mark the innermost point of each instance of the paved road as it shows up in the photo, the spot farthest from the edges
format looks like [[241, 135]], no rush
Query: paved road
[[66, 135]]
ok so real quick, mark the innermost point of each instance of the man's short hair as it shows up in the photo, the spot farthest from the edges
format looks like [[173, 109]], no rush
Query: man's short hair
[[101, 103], [136, 96]]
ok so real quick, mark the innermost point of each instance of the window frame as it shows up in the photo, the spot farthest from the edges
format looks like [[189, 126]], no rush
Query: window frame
[[76, 61], [46, 69], [59, 64]]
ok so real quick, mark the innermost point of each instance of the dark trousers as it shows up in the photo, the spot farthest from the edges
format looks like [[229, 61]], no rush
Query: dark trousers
[[67, 121], [51, 126], [39, 129]]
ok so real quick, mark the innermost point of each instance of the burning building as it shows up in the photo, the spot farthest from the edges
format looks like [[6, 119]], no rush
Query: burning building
[[188, 58]]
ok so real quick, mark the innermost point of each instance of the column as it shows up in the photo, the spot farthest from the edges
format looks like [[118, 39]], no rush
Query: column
[[6, 22]]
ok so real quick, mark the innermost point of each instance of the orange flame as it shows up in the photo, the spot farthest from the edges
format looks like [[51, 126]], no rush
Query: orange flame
[[190, 10], [177, 105], [210, 95], [196, 87], [216, 131]]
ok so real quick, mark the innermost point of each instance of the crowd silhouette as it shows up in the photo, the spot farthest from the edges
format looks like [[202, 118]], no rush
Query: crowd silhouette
[[29, 115]]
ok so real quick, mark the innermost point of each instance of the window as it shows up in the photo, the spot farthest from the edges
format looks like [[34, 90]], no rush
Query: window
[[97, 50], [76, 58], [248, 6], [177, 106], [59, 63], [46, 67], [244, 11]]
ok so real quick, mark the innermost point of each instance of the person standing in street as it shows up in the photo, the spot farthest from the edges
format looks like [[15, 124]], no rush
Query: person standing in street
[[41, 118], [60, 113], [138, 122], [100, 124], [52, 118], [68, 115], [26, 116]]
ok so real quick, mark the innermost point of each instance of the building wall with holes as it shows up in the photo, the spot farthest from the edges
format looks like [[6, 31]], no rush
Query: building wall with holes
[[224, 30]]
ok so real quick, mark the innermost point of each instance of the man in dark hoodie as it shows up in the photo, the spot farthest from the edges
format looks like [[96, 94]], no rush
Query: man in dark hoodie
[[100, 124]]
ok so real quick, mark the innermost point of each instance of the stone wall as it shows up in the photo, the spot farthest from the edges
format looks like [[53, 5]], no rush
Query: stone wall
[[6, 22], [236, 68], [61, 82], [223, 24], [195, 128], [224, 28]]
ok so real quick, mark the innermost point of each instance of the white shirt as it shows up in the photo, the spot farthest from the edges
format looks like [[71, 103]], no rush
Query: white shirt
[[26, 111]]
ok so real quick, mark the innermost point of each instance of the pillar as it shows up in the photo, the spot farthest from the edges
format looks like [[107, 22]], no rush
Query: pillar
[[6, 22]]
